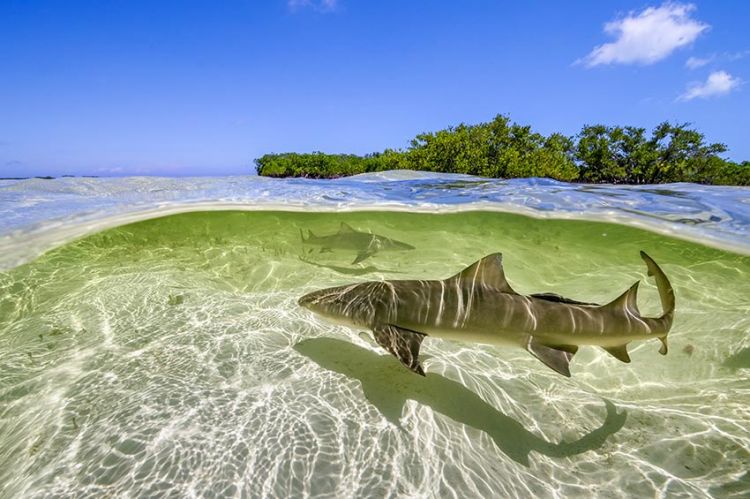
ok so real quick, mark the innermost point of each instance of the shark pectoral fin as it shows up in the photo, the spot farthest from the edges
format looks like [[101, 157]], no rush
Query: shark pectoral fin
[[619, 352], [362, 255], [402, 343], [325, 249], [554, 357]]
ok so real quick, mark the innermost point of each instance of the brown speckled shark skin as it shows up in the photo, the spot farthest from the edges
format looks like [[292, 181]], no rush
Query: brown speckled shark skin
[[478, 305]]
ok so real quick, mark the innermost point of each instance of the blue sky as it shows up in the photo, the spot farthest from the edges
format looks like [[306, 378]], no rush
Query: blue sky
[[204, 87]]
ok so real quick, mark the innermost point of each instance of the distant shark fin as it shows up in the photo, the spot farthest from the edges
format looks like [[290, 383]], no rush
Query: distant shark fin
[[402, 343], [556, 358], [363, 255], [619, 352], [487, 271], [345, 228], [627, 301]]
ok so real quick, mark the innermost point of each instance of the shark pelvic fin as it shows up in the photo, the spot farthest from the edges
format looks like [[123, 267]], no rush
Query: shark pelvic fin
[[664, 348], [345, 228], [402, 343], [620, 353], [627, 301], [555, 357], [488, 271]]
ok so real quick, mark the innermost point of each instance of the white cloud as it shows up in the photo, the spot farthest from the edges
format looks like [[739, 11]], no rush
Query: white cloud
[[736, 56], [320, 5], [697, 62], [648, 36], [718, 83]]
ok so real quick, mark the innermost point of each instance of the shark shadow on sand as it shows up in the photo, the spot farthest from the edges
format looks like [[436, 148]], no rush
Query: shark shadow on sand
[[739, 360], [348, 270], [388, 386]]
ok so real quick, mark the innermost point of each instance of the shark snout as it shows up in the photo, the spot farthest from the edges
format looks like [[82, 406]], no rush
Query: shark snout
[[318, 301], [306, 300]]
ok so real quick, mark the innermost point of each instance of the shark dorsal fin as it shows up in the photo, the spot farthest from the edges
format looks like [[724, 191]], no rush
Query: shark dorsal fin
[[488, 271], [627, 301], [345, 227]]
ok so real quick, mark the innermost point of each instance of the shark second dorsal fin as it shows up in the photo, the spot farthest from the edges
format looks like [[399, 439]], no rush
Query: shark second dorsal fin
[[488, 271], [554, 297], [626, 301], [345, 228]]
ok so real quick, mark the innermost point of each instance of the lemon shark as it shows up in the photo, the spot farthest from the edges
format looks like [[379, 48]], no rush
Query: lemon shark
[[365, 244], [479, 305]]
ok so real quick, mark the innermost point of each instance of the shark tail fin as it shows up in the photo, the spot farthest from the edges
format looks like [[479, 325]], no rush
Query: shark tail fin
[[666, 295]]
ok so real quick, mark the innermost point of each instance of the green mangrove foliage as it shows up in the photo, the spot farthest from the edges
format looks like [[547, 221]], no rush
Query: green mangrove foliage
[[503, 149]]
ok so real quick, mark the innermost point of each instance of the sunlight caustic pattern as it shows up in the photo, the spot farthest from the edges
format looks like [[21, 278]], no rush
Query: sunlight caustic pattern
[[169, 357]]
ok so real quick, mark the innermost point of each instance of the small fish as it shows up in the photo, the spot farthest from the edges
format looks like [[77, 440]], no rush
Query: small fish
[[364, 243], [479, 305]]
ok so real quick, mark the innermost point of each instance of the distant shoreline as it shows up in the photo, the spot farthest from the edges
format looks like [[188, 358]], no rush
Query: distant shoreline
[[49, 177], [598, 154]]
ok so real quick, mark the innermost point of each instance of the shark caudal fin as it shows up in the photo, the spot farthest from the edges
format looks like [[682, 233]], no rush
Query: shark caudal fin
[[628, 301], [666, 295]]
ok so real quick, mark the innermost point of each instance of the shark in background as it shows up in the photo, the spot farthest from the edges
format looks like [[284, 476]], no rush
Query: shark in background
[[479, 305], [365, 244]]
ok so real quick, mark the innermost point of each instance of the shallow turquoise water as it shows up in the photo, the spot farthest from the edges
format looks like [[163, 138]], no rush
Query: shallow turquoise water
[[169, 357]]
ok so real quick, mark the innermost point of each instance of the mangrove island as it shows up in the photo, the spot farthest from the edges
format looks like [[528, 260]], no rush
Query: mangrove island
[[504, 149]]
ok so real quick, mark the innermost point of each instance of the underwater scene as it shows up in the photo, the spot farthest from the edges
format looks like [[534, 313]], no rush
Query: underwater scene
[[159, 349]]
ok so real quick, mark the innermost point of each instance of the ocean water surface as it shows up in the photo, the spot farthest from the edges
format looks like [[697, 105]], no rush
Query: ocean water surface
[[151, 343]]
